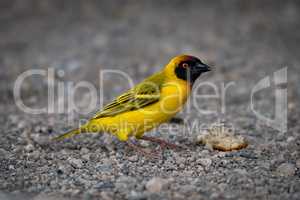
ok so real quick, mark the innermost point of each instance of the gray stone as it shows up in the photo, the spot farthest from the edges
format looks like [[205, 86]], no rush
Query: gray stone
[[205, 162], [41, 139], [84, 150], [286, 169], [87, 156], [77, 163], [3, 153], [125, 183], [106, 195], [155, 184], [49, 197], [298, 163], [133, 158], [29, 147]]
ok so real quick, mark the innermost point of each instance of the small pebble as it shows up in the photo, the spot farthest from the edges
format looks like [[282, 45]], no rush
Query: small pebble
[[77, 163], [106, 195], [35, 154], [155, 184], [11, 167], [3, 153], [29, 147], [84, 150], [86, 156], [286, 169], [22, 124], [290, 139], [64, 169], [205, 162], [133, 158], [14, 119], [41, 139], [298, 163]]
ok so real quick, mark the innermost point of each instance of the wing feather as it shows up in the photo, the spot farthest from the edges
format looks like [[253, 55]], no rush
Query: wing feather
[[144, 94]]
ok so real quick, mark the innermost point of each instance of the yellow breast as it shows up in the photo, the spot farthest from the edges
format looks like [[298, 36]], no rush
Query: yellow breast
[[172, 98]]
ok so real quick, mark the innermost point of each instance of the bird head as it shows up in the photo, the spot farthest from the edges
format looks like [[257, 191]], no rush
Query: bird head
[[187, 68]]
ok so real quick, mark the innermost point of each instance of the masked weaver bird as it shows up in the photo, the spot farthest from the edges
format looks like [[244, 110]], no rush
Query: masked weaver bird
[[148, 104]]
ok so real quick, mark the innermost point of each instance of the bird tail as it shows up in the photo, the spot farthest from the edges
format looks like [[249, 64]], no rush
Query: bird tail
[[68, 134]]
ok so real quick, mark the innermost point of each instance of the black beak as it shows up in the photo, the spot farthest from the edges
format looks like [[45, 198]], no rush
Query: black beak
[[201, 67], [204, 67]]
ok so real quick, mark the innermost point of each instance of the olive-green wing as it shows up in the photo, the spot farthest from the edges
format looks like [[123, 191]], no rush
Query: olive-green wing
[[144, 94]]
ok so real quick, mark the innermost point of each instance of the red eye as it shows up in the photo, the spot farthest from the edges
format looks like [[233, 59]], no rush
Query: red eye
[[185, 65]]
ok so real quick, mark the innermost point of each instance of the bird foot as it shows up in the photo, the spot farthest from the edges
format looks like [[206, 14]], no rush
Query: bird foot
[[162, 143]]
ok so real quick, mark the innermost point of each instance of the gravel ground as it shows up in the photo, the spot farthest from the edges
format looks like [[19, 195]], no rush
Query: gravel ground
[[245, 41]]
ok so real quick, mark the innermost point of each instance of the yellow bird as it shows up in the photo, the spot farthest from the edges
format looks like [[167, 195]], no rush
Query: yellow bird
[[153, 101]]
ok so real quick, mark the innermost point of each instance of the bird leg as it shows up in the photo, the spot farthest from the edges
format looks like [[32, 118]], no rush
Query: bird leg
[[163, 144], [141, 150]]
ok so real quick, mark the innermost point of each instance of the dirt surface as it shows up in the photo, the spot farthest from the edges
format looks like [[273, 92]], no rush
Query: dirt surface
[[245, 41]]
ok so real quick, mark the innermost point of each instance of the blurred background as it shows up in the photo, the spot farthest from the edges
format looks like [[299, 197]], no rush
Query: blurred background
[[241, 38], [245, 41]]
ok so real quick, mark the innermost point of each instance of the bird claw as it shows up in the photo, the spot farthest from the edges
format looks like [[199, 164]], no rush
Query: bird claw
[[162, 143], [154, 154], [165, 144]]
